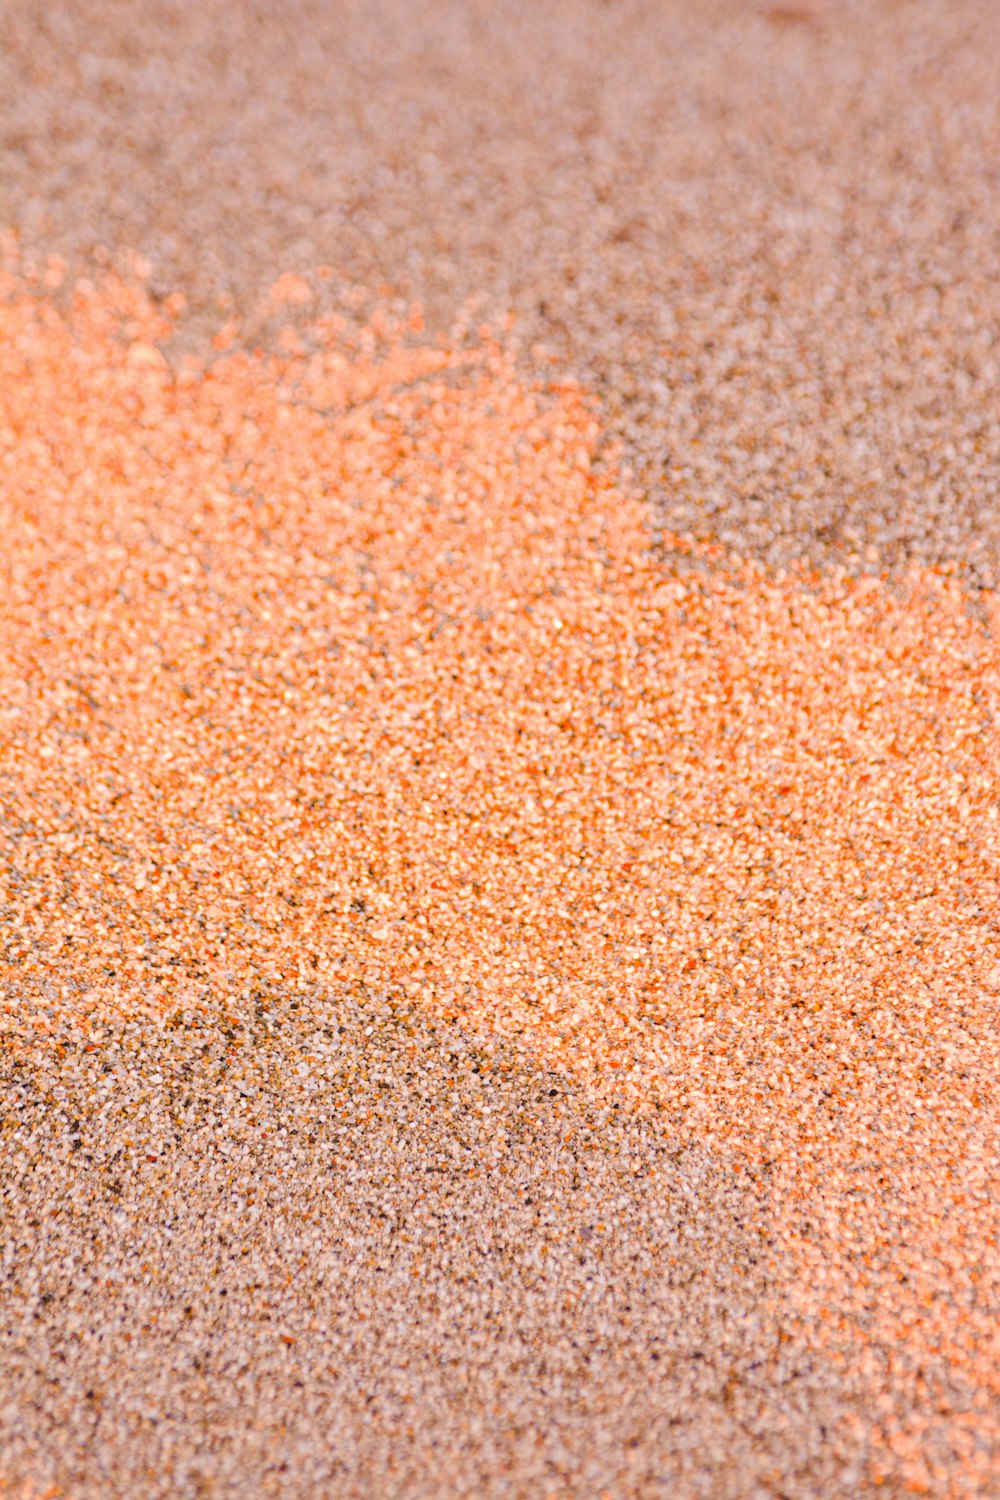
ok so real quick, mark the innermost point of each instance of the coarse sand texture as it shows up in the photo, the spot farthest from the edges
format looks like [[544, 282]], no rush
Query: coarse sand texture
[[354, 716], [766, 236]]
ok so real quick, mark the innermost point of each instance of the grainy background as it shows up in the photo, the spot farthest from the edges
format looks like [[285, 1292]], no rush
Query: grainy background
[[767, 235], [767, 239]]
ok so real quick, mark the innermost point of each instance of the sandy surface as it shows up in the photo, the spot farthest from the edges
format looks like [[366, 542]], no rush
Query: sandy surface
[[766, 235], [499, 994]]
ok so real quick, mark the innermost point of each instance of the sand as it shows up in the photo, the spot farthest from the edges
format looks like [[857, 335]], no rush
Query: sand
[[500, 891]]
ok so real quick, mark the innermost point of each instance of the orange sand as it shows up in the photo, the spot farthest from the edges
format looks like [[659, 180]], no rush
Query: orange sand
[[350, 665]]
